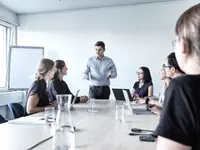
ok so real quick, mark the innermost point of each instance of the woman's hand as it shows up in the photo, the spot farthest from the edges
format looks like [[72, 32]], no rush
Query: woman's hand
[[150, 106], [140, 101], [135, 96], [156, 110], [54, 104], [83, 99]]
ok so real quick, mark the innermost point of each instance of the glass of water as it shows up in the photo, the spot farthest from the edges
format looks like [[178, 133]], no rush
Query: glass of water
[[91, 106], [49, 115], [64, 101], [120, 113]]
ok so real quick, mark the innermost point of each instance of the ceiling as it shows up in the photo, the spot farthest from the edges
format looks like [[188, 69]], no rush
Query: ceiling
[[41, 6]]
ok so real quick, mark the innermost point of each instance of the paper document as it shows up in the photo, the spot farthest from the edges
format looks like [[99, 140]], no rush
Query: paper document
[[28, 120]]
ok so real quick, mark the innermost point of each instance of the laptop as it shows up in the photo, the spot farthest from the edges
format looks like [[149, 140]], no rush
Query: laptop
[[119, 96], [74, 100], [135, 111]]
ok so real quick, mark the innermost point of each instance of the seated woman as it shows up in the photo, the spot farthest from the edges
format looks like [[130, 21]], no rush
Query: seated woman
[[171, 70], [155, 105], [37, 95], [143, 87], [59, 86]]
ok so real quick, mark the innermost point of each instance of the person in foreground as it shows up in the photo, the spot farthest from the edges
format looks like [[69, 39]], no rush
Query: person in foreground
[[37, 95], [100, 69], [179, 127], [144, 86], [59, 86]]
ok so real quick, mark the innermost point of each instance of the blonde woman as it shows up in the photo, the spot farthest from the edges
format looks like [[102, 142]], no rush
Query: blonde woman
[[37, 95]]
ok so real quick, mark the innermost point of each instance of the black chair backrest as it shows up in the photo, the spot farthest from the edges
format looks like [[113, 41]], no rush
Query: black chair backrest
[[17, 110], [2, 119]]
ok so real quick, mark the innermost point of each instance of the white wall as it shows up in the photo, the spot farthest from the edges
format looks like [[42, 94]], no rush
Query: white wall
[[135, 36], [8, 16]]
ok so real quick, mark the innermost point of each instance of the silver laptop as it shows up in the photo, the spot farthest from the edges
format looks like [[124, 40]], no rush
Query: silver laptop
[[136, 111], [74, 100]]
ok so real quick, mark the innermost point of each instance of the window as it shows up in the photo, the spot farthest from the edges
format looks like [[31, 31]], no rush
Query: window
[[6, 40]]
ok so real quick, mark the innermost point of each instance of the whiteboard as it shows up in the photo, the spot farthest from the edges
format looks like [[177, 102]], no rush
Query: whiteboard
[[23, 61]]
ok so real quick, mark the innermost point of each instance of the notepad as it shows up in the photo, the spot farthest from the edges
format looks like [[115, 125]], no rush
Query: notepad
[[28, 120]]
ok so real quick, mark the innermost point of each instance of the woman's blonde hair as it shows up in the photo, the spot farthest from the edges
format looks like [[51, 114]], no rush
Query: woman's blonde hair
[[44, 66], [188, 28]]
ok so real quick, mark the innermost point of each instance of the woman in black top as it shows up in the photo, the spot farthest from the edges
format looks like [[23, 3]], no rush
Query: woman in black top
[[179, 126], [37, 95], [143, 87], [59, 86]]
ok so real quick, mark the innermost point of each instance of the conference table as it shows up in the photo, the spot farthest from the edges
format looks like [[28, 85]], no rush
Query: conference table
[[95, 131]]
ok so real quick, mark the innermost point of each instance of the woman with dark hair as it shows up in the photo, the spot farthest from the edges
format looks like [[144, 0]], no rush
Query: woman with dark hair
[[171, 70], [37, 95], [179, 127], [171, 67], [143, 87], [59, 86]]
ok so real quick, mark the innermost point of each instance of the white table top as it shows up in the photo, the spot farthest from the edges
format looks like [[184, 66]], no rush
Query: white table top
[[97, 131]]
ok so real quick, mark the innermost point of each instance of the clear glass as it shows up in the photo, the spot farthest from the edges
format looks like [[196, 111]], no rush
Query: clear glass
[[64, 137], [64, 101], [120, 113], [91, 106], [49, 115]]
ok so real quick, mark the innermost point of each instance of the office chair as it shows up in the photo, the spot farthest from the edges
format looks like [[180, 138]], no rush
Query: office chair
[[2, 119], [17, 110]]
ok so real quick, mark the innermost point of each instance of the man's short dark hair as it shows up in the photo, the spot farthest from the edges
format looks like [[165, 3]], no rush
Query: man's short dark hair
[[188, 28], [100, 43]]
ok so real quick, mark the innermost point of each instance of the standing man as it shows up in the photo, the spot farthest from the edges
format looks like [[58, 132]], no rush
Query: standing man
[[100, 69]]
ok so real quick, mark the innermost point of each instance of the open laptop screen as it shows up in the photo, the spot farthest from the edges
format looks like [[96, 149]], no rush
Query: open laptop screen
[[118, 93], [74, 100]]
